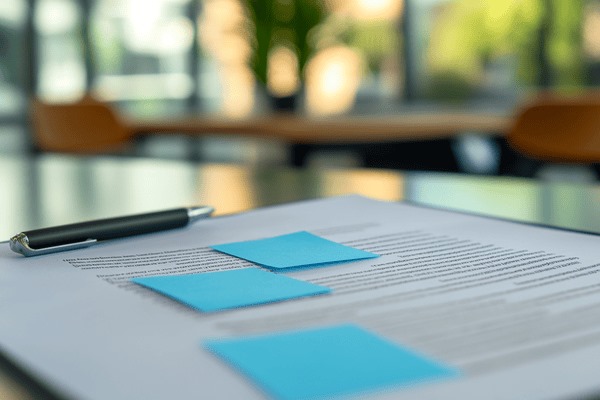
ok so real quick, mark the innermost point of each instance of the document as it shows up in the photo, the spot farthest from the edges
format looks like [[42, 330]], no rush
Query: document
[[513, 308]]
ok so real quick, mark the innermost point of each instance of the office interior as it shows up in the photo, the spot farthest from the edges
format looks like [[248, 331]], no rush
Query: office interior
[[314, 58], [317, 60]]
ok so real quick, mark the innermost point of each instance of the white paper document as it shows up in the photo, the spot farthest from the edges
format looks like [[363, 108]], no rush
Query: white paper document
[[514, 307]]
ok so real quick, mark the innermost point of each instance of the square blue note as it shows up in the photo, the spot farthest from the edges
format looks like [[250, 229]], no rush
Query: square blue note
[[299, 249], [214, 291], [343, 360]]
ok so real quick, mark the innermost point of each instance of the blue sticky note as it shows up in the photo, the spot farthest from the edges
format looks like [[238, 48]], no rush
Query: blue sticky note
[[214, 291], [329, 362], [299, 249]]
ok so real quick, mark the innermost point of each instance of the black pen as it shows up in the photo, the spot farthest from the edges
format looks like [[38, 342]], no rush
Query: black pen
[[84, 234]]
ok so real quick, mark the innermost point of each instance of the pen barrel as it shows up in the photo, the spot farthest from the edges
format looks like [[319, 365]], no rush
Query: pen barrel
[[111, 228]]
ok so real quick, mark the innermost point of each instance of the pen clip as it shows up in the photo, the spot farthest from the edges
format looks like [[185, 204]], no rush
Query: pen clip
[[20, 244]]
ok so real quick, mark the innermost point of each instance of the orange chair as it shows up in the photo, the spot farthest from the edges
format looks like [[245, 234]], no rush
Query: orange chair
[[558, 129], [87, 126]]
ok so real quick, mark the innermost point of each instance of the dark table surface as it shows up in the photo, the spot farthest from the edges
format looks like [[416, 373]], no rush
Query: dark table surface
[[46, 190]]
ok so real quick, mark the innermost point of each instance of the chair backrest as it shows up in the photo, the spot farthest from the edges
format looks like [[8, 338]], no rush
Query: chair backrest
[[87, 126], [559, 130]]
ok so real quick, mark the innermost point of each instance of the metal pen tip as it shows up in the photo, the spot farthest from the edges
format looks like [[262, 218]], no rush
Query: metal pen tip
[[195, 213]]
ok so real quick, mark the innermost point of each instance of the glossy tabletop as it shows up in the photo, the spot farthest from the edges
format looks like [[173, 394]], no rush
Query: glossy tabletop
[[46, 190]]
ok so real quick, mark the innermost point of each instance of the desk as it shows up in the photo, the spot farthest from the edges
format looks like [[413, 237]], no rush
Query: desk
[[303, 135], [302, 130], [50, 189], [90, 126]]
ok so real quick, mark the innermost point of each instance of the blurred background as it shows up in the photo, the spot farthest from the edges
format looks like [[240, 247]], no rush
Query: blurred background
[[320, 58]]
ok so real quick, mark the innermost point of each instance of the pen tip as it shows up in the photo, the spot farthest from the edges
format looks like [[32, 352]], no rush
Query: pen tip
[[199, 212]]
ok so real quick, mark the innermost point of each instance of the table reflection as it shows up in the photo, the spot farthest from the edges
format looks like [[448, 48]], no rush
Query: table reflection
[[48, 190]]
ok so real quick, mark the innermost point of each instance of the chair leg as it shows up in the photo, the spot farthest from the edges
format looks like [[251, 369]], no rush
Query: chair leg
[[298, 154]]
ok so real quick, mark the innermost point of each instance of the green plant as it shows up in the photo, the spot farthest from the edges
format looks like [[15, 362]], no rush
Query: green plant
[[283, 23]]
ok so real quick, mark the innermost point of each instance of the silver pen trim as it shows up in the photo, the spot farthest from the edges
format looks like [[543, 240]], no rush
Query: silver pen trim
[[196, 213], [20, 244]]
